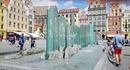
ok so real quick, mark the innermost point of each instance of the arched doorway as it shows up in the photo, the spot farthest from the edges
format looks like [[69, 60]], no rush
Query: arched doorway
[[103, 36]]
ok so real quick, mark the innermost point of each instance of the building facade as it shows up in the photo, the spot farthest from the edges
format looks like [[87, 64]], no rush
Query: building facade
[[2, 20], [16, 16], [83, 19], [97, 16], [29, 12], [40, 13], [66, 13], [114, 20], [126, 22]]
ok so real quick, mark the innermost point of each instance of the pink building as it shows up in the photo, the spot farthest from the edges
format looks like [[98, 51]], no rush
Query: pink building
[[83, 20]]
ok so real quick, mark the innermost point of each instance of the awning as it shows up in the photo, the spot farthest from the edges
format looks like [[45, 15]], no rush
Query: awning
[[34, 35], [112, 35], [19, 33]]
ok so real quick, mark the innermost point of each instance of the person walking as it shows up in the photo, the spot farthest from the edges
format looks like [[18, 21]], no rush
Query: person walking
[[21, 41], [118, 41], [32, 42]]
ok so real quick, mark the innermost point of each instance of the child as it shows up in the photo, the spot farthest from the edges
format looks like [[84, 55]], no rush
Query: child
[[111, 49]]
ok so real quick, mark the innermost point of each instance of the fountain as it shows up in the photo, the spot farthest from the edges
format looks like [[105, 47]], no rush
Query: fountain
[[63, 37]]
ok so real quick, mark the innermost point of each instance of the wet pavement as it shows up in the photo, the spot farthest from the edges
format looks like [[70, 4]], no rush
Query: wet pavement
[[85, 59]]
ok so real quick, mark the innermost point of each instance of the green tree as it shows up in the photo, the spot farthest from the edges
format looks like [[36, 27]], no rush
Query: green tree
[[41, 28]]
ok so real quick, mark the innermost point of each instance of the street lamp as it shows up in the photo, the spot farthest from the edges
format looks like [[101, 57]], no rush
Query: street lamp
[[125, 26]]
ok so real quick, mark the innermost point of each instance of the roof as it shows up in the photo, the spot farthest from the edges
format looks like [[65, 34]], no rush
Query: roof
[[127, 11], [102, 1], [41, 10], [36, 26], [6, 2]]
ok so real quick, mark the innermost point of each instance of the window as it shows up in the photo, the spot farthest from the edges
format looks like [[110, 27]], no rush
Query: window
[[2, 26], [2, 10], [96, 2], [98, 29], [109, 29], [22, 18], [112, 28], [30, 29], [22, 26], [94, 6], [98, 23], [14, 16], [14, 24], [11, 8], [112, 23], [30, 22], [94, 23], [103, 30], [25, 26], [18, 11], [103, 23], [95, 29], [116, 14], [74, 15], [112, 10], [94, 18], [66, 15], [115, 23], [14, 9], [75, 20], [120, 10], [90, 18], [98, 6], [18, 25], [9, 15], [9, 24], [98, 17], [103, 17], [30, 16], [18, 17], [128, 20], [116, 10], [2, 18]]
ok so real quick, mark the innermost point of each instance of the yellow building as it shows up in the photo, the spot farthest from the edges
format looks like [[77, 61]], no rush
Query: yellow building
[[2, 19], [126, 22]]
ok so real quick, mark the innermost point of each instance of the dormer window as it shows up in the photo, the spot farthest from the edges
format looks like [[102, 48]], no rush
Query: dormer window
[[96, 2]]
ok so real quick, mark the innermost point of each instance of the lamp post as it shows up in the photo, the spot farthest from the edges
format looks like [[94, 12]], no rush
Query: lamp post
[[125, 26]]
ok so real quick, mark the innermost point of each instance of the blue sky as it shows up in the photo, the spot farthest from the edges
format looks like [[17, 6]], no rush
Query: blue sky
[[82, 4]]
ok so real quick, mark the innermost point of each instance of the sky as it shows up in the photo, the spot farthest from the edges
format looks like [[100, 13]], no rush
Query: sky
[[82, 4]]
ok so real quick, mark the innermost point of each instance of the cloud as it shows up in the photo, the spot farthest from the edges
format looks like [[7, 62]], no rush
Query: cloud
[[124, 7], [45, 3], [86, 9], [68, 3], [72, 7]]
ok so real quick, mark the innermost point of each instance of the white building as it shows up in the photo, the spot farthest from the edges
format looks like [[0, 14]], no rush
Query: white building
[[17, 20], [29, 12]]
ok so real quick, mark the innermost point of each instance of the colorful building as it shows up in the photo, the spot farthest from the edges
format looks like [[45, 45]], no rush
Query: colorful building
[[126, 22], [2, 20], [97, 16], [66, 13], [114, 20], [17, 18], [83, 19]]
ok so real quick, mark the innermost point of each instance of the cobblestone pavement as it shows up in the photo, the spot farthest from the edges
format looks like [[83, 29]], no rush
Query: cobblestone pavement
[[6, 48], [110, 63], [85, 59]]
